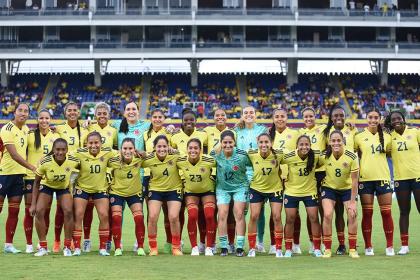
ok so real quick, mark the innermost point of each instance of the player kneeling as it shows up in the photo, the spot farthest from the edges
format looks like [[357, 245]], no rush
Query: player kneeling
[[53, 176]]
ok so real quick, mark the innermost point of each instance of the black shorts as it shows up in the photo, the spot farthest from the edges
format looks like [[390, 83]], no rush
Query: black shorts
[[258, 197], [375, 187], [50, 191], [336, 195], [407, 185], [200, 195], [175, 195], [29, 184], [293, 201], [11, 185], [117, 200], [78, 193]]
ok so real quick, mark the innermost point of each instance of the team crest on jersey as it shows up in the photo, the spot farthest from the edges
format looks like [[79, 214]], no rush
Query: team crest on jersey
[[345, 165], [317, 130], [361, 186], [68, 169], [136, 132], [202, 170], [52, 141], [286, 201], [408, 137], [235, 168], [170, 162], [366, 139], [102, 159], [112, 200], [274, 162], [396, 184], [136, 165], [109, 133], [289, 136], [257, 162]]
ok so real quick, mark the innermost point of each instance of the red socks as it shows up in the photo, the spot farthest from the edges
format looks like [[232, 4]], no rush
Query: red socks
[[28, 224], [327, 241], [176, 242], [317, 241], [367, 224], [140, 229], [152, 241], [116, 228], [192, 223], [288, 242], [272, 237], [87, 219], [296, 232], [202, 225], [59, 222], [404, 239], [352, 240], [12, 220], [341, 238], [43, 244], [252, 240], [77, 237], [388, 224], [209, 211], [278, 237], [103, 237]]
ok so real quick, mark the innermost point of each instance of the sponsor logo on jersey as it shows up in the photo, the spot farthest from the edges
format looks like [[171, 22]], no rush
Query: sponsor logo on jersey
[[235, 168]]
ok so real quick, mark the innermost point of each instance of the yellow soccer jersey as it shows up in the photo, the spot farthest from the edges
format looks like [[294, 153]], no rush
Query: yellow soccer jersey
[[56, 176], [72, 136], [373, 163], [300, 182], [197, 177], [348, 137], [10, 134], [317, 139], [338, 171], [286, 140], [405, 154], [213, 136], [108, 135], [35, 155], [148, 142], [126, 177], [92, 178], [179, 140], [266, 178], [164, 175]]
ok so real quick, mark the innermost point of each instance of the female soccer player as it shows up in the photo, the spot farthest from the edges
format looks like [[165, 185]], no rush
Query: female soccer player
[[340, 183], [75, 135], [231, 183], [45, 185], [301, 186], [13, 165], [92, 183], [40, 142], [199, 187], [126, 187], [405, 142], [165, 186], [266, 184], [247, 131], [372, 145], [336, 121]]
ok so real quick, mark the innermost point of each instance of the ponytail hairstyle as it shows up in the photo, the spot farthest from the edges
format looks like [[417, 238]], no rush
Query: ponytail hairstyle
[[149, 131], [380, 130], [79, 134], [271, 140], [328, 150], [37, 132], [241, 124], [311, 155], [330, 123], [160, 137], [187, 111], [272, 129], [56, 141], [388, 124], [124, 122]]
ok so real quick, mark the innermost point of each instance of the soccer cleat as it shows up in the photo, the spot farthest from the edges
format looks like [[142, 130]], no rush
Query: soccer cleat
[[311, 248], [108, 246], [153, 252], [56, 246], [9, 248], [327, 253], [260, 248], [353, 254], [177, 252], [135, 247], [390, 252], [201, 248], [231, 249], [41, 252], [29, 249], [141, 252], [77, 252], [317, 253], [279, 253], [87, 246], [251, 253], [288, 254], [224, 252], [404, 250], [195, 251], [103, 253], [214, 249], [240, 252], [208, 252], [272, 250], [167, 248], [341, 250], [66, 252], [117, 252], [369, 252], [296, 249]]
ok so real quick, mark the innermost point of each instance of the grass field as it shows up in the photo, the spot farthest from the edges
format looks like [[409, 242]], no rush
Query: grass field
[[91, 266]]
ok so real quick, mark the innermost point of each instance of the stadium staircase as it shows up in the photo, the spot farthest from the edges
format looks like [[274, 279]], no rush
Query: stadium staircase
[[144, 101], [241, 85], [49, 91]]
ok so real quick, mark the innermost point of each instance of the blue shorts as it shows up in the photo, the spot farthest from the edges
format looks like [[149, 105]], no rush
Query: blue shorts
[[407, 185], [117, 200], [293, 201], [175, 195], [11, 185], [29, 184], [224, 197], [336, 195], [319, 176], [146, 180], [78, 193], [375, 187], [200, 195], [50, 191], [258, 197]]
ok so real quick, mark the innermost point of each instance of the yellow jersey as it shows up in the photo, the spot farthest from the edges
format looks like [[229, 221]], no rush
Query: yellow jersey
[[405, 154], [71, 135], [179, 140], [92, 177], [148, 142], [213, 136], [286, 140], [164, 175], [54, 175], [35, 155], [266, 177], [338, 171], [10, 134], [108, 135], [318, 141], [373, 163], [300, 181], [348, 134], [125, 177], [198, 177]]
